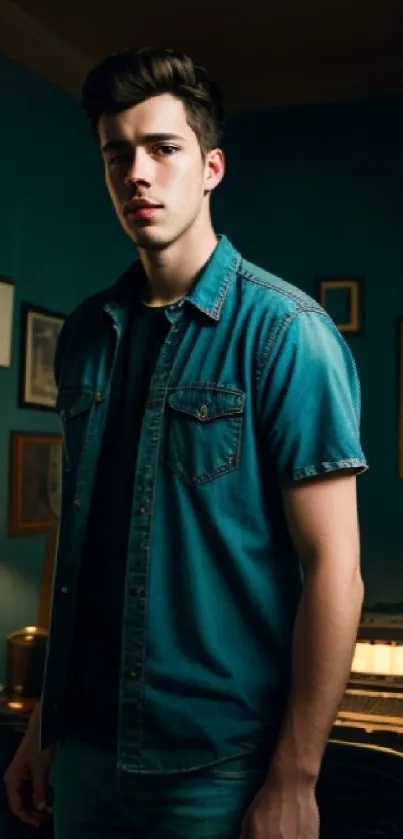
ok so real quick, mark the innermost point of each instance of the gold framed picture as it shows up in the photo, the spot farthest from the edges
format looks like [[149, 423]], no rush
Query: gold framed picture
[[35, 482], [342, 299]]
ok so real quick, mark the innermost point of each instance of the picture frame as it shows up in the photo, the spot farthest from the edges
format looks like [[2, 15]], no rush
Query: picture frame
[[40, 329], [343, 285], [7, 294], [35, 482]]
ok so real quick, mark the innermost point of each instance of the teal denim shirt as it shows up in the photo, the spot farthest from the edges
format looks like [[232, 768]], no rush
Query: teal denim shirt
[[254, 389]]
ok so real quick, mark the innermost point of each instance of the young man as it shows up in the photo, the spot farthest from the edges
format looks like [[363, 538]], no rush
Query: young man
[[207, 589]]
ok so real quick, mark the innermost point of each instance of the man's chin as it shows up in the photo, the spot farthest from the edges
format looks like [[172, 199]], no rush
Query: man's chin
[[148, 239]]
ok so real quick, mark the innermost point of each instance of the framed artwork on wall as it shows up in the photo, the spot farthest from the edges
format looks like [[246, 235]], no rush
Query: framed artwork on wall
[[6, 320], [342, 299], [40, 330], [35, 482]]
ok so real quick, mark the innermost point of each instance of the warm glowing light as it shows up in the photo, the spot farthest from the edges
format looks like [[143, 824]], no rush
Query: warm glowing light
[[15, 706], [29, 637], [378, 659], [383, 659], [31, 630]]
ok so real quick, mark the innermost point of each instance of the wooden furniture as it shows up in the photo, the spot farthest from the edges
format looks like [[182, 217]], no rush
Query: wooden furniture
[[360, 792]]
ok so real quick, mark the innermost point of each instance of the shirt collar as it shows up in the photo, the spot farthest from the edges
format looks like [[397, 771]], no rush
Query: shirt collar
[[207, 293]]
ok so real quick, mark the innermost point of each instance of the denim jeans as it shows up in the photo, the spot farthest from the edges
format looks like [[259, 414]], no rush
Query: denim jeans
[[88, 803]]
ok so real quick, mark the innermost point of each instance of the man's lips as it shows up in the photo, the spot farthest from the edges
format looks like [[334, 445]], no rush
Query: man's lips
[[140, 209]]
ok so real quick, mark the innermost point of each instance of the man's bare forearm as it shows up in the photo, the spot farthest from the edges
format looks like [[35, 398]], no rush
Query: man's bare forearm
[[324, 640]]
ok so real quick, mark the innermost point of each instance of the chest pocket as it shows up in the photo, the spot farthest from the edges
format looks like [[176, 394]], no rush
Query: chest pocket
[[73, 407], [203, 432]]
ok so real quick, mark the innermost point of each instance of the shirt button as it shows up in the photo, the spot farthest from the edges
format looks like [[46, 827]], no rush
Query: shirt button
[[64, 589], [132, 674], [137, 591], [143, 511], [203, 411], [77, 503]]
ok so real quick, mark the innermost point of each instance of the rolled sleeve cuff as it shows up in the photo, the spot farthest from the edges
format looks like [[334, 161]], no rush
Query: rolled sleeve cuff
[[317, 470]]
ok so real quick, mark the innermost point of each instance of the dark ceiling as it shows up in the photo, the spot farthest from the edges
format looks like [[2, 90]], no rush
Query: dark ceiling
[[262, 53]]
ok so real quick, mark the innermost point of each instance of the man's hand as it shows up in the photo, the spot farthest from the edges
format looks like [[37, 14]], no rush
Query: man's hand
[[25, 782], [26, 777], [286, 810]]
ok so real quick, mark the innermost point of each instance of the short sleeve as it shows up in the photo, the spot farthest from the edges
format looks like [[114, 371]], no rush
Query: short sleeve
[[309, 400]]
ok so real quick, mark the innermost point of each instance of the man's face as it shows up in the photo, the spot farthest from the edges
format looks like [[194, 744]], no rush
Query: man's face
[[152, 157]]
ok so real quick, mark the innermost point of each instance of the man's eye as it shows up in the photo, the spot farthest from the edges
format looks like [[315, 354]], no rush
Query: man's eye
[[119, 160], [166, 149]]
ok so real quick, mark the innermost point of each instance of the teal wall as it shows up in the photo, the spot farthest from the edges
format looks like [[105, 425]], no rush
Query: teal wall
[[59, 241], [309, 191], [317, 191]]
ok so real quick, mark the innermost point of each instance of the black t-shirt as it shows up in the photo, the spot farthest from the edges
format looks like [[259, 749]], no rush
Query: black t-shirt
[[92, 709]]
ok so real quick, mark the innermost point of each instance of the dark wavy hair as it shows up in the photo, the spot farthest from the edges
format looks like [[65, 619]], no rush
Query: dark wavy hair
[[127, 78]]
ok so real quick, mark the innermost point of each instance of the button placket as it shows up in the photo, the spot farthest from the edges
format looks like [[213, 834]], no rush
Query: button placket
[[131, 735], [137, 591]]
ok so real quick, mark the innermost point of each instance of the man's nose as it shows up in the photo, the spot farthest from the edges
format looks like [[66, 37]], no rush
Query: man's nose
[[139, 170]]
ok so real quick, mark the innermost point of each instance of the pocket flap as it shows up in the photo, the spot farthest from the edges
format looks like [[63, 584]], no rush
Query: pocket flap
[[70, 403], [205, 404]]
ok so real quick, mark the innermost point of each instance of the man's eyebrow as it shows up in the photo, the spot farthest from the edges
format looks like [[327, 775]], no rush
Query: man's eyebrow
[[155, 137], [114, 145]]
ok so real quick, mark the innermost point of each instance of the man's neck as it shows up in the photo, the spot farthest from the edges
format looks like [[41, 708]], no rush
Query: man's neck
[[172, 272]]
